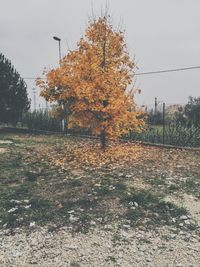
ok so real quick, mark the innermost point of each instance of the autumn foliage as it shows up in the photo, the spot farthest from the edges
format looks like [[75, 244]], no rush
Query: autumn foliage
[[94, 81]]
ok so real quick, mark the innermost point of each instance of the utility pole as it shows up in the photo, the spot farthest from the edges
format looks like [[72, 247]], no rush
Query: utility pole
[[156, 106], [34, 99], [155, 111], [163, 123]]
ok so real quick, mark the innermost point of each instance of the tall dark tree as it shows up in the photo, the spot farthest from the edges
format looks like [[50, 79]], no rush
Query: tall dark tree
[[192, 110], [13, 93]]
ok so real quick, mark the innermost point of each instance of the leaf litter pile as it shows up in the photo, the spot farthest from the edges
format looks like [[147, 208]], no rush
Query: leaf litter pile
[[71, 181]]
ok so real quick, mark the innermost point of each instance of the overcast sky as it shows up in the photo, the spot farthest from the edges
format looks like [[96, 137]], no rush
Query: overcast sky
[[161, 34]]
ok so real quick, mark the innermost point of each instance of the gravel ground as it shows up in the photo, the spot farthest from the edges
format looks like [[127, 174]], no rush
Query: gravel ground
[[99, 247], [2, 150]]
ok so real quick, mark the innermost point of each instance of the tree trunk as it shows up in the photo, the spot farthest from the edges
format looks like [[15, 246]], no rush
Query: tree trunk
[[66, 126], [103, 139]]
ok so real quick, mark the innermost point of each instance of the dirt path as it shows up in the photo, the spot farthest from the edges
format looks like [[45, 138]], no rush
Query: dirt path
[[193, 205]]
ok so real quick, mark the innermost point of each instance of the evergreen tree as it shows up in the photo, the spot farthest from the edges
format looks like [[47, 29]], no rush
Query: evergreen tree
[[192, 110], [13, 93]]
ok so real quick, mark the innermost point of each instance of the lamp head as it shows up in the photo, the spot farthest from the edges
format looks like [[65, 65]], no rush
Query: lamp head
[[56, 38]]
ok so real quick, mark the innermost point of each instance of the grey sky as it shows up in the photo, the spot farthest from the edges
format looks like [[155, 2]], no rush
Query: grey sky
[[161, 34]]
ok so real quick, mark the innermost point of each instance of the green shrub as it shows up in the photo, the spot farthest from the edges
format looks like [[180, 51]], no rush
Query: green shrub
[[41, 120], [175, 134]]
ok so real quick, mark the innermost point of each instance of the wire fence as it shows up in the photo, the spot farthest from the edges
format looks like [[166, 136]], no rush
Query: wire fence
[[162, 126]]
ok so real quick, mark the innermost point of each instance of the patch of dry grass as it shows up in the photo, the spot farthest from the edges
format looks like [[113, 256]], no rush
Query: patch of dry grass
[[60, 175]]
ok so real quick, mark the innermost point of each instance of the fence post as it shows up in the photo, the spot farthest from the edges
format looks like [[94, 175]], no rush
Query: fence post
[[163, 123]]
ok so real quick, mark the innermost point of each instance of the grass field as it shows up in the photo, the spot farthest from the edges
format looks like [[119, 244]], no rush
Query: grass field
[[55, 181]]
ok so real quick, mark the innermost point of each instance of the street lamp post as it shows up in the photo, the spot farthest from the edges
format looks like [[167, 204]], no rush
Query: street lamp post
[[59, 46]]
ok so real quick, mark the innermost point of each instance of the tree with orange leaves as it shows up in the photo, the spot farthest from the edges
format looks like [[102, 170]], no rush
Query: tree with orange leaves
[[95, 80]]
